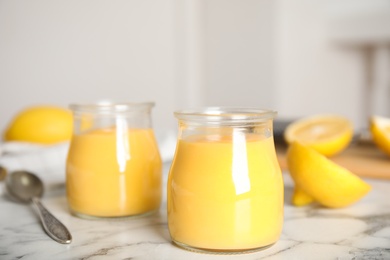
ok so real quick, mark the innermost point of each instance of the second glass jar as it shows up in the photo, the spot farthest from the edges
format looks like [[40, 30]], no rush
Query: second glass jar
[[113, 167]]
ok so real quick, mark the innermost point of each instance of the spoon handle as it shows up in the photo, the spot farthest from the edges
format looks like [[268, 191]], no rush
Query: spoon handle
[[53, 227]]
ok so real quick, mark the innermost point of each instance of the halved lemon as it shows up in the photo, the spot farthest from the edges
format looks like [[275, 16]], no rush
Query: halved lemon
[[326, 182], [327, 134], [380, 131]]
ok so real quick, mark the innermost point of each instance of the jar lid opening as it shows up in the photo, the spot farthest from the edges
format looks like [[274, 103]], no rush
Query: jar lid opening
[[111, 107], [225, 115]]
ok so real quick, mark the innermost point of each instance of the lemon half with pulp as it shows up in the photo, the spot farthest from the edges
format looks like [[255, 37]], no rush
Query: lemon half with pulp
[[380, 131], [327, 134]]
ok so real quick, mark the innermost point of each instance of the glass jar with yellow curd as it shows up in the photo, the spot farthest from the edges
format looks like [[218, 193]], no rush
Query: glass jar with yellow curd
[[225, 187], [113, 167]]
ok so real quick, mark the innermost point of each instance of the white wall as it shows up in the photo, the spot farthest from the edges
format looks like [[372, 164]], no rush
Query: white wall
[[314, 74], [322, 58], [277, 54], [239, 53], [59, 52], [284, 55]]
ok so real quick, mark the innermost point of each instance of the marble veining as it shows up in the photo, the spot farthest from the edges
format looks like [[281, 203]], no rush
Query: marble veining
[[361, 231]]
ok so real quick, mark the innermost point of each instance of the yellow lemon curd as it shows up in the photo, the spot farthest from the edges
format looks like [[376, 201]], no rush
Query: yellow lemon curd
[[113, 173], [225, 193]]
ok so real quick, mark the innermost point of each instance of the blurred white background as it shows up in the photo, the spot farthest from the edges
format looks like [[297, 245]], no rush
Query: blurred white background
[[299, 57]]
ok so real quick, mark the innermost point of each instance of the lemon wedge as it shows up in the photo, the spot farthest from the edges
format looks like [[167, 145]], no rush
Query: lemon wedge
[[300, 198], [326, 182], [327, 134], [380, 131], [40, 124]]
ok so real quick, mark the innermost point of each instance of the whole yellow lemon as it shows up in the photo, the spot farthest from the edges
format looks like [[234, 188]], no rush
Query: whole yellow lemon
[[40, 124]]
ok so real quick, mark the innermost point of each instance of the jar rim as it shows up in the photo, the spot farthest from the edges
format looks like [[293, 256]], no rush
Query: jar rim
[[108, 106], [226, 114]]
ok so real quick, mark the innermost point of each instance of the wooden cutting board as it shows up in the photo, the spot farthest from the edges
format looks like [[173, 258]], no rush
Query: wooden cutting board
[[363, 159]]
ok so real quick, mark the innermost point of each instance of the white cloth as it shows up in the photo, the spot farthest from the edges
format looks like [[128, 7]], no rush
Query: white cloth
[[49, 162]]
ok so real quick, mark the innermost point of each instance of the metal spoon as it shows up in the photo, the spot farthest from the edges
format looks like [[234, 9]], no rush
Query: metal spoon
[[26, 187]]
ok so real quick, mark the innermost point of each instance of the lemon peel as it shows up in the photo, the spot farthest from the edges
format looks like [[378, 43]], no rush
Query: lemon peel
[[327, 134], [40, 124], [326, 182], [300, 198], [380, 132]]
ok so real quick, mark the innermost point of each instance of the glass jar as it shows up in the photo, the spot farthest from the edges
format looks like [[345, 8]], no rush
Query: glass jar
[[225, 187], [113, 167]]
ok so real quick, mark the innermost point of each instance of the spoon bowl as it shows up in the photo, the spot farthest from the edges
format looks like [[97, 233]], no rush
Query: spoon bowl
[[26, 187]]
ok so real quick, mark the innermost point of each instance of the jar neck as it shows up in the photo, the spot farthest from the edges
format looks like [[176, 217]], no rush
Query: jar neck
[[111, 115], [263, 129], [221, 116], [110, 108], [225, 122]]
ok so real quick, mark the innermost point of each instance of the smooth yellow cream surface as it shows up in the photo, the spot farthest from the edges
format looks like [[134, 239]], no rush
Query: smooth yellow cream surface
[[113, 173], [225, 193]]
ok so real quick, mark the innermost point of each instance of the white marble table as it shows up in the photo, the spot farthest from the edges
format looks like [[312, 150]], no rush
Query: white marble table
[[361, 231]]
